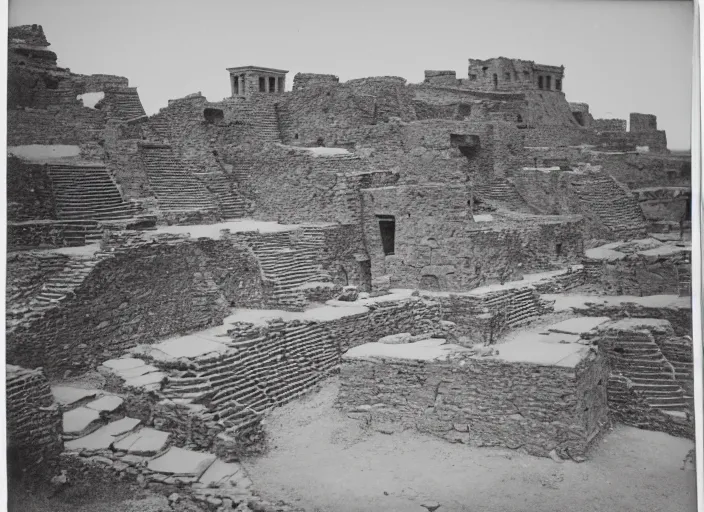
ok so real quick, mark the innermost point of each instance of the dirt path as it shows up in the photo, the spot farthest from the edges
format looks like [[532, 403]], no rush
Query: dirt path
[[326, 462]]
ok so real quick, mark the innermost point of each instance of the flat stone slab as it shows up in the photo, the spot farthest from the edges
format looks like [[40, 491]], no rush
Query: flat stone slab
[[634, 324], [138, 371], [220, 473], [147, 381], [77, 420], [578, 325], [120, 426], [66, 395], [123, 364], [146, 441], [178, 461], [107, 403], [98, 440]]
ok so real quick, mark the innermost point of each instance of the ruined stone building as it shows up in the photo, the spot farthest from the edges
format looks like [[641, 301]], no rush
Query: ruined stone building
[[128, 232]]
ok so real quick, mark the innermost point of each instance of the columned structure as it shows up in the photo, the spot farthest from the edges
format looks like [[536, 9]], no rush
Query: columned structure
[[248, 80]]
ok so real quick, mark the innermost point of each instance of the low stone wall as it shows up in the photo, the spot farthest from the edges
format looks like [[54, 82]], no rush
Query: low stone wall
[[33, 424], [636, 274], [22, 235], [483, 402], [216, 401]]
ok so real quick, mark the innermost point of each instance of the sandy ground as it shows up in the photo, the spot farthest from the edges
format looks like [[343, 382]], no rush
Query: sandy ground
[[323, 461]]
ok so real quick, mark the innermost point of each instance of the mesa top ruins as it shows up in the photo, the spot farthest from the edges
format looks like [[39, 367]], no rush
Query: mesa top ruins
[[218, 259]]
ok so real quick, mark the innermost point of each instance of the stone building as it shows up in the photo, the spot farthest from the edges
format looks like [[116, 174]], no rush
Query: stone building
[[248, 80]]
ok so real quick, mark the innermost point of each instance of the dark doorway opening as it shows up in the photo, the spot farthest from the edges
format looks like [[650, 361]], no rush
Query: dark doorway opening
[[272, 84], [387, 228], [262, 84], [558, 250], [496, 81]]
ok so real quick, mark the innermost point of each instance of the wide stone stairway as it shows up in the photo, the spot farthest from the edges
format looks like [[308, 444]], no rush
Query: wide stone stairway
[[56, 289], [96, 429], [232, 206], [501, 192], [616, 209], [87, 192], [175, 188], [287, 265], [636, 356]]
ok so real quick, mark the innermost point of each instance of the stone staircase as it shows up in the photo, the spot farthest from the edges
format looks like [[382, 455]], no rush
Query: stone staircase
[[56, 289], [174, 187], [87, 193], [501, 192], [263, 119], [636, 356], [618, 211], [288, 265], [231, 204], [124, 103], [96, 431]]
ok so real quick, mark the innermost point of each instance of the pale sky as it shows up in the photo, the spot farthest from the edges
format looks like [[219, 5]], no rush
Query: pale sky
[[619, 56]]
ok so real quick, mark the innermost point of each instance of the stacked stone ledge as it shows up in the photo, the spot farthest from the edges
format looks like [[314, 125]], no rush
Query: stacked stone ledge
[[482, 402], [33, 425]]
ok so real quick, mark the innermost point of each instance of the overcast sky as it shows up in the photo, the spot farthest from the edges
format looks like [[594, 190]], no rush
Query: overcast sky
[[620, 57]]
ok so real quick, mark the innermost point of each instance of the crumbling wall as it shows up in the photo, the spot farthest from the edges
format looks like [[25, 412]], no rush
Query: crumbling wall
[[142, 295], [448, 399], [33, 425]]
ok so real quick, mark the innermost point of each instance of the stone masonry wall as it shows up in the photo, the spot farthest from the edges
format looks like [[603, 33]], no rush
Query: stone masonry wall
[[140, 296], [29, 192], [33, 424], [265, 367], [483, 402], [437, 247]]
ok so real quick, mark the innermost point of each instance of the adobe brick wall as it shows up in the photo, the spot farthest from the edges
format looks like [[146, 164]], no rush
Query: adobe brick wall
[[33, 424], [449, 399]]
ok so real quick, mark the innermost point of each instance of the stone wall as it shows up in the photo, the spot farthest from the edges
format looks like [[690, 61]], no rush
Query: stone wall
[[438, 247], [305, 80], [57, 125], [29, 192], [636, 274], [294, 186], [610, 125], [22, 235], [451, 399], [261, 367], [141, 295], [33, 425]]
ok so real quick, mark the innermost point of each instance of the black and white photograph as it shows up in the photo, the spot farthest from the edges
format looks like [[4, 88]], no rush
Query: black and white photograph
[[369, 256]]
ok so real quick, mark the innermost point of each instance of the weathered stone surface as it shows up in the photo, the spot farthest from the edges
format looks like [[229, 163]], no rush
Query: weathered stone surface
[[66, 395], [106, 403], [78, 420], [146, 441], [177, 461]]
